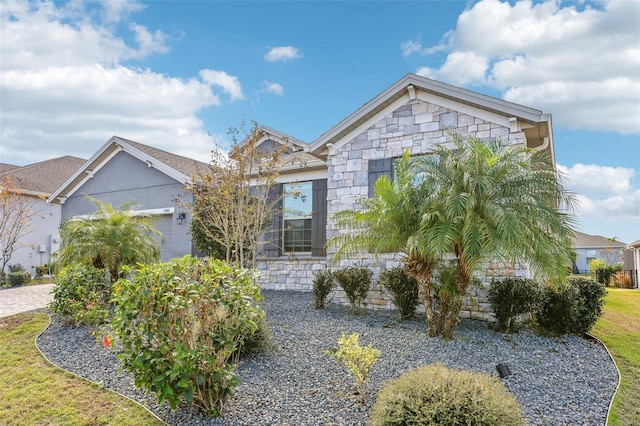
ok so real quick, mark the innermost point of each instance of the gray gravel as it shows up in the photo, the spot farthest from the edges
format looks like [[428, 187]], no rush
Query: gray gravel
[[558, 381]]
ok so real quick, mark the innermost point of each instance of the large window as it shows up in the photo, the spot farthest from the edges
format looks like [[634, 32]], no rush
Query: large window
[[297, 217]]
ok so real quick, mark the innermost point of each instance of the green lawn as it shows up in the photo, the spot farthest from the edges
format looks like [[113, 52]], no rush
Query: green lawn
[[35, 392], [619, 329]]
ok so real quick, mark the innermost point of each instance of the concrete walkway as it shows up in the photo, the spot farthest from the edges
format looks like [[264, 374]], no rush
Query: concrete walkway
[[26, 298]]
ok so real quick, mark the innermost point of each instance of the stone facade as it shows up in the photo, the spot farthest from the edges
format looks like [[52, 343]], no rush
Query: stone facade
[[417, 126]]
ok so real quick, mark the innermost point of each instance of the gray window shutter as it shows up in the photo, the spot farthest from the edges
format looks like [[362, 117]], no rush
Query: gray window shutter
[[272, 248], [319, 218], [377, 168]]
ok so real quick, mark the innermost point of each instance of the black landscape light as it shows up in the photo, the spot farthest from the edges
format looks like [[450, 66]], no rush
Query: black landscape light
[[503, 370]]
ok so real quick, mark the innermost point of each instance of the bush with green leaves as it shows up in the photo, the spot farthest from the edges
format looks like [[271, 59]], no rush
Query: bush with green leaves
[[436, 395], [358, 359], [403, 289], [356, 282], [323, 283], [512, 297], [572, 308], [602, 272], [181, 325], [81, 295], [18, 278]]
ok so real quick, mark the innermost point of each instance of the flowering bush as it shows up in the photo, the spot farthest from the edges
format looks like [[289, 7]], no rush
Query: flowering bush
[[81, 295], [180, 325]]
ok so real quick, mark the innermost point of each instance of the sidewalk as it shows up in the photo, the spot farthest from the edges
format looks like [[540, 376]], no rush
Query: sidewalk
[[26, 298]]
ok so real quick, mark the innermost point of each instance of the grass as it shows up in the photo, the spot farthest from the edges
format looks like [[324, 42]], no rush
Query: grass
[[35, 392], [619, 329]]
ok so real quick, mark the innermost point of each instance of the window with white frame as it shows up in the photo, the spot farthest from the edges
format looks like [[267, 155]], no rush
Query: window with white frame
[[297, 217]]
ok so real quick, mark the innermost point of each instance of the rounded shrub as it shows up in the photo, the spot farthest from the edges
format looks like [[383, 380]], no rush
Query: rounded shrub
[[356, 282], [18, 278], [512, 297], [81, 295], [323, 283], [436, 395], [181, 325], [403, 289], [572, 308]]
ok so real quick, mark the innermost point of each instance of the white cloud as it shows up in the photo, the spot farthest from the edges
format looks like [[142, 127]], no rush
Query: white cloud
[[273, 88], [282, 53], [228, 83], [580, 62], [66, 89], [607, 197]]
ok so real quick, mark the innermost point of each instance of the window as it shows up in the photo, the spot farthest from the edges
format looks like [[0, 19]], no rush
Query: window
[[297, 217]]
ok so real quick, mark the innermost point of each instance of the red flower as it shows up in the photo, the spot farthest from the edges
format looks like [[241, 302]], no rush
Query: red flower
[[107, 341], [91, 305]]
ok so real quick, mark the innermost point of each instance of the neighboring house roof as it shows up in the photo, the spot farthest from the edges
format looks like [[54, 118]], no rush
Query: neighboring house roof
[[635, 243], [176, 166], [534, 123], [583, 240], [43, 178]]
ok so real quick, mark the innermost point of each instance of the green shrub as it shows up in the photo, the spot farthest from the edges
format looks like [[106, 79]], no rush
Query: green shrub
[[403, 289], [81, 295], [356, 282], [256, 342], [181, 324], [436, 395], [572, 308], [602, 272], [16, 267], [18, 278], [512, 297], [358, 359], [323, 283]]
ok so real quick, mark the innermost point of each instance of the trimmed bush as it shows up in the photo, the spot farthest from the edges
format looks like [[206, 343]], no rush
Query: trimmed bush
[[573, 308], [323, 283], [512, 297], [181, 325], [18, 278], [356, 282], [436, 395], [403, 289], [81, 295]]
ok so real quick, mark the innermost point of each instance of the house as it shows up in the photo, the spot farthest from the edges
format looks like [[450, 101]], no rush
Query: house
[[37, 182], [632, 263], [590, 247], [415, 114], [123, 170]]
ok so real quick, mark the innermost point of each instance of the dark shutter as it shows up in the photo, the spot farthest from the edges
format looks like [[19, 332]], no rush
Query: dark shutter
[[273, 236], [377, 168], [319, 218]]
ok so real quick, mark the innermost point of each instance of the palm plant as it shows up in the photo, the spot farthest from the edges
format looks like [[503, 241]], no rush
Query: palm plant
[[109, 239], [389, 223], [493, 201]]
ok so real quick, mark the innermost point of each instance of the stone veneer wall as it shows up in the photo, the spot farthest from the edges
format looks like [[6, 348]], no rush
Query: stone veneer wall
[[418, 126]]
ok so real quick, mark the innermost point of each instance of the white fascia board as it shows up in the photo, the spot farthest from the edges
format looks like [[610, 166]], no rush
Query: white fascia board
[[155, 163], [92, 164], [303, 175]]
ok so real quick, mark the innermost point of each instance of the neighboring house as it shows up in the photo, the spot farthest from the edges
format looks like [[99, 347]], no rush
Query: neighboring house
[[37, 182], [124, 170], [590, 247], [414, 114], [632, 263]]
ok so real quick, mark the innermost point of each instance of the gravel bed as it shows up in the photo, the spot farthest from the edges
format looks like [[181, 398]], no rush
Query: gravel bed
[[558, 381]]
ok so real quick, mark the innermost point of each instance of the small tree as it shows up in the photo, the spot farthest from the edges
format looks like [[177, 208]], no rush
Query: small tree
[[109, 239], [232, 199], [17, 211]]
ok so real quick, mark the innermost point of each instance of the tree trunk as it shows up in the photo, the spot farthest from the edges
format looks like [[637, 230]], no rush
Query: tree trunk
[[422, 272]]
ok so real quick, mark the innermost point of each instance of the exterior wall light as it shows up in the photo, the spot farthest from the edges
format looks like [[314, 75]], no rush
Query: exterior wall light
[[181, 217]]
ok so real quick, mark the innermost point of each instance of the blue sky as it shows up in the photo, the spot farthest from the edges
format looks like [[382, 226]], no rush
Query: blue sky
[[176, 75]]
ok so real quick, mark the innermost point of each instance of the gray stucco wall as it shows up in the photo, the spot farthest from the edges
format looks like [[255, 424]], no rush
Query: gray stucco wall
[[125, 178]]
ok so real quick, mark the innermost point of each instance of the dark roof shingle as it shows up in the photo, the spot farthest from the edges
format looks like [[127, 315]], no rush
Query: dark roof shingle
[[46, 176]]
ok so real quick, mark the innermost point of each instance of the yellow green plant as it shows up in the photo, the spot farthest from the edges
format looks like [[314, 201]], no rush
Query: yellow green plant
[[358, 359]]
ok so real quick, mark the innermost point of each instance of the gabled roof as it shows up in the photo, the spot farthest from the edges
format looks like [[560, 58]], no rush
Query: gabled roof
[[267, 133], [535, 124], [176, 166], [583, 240], [43, 178]]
